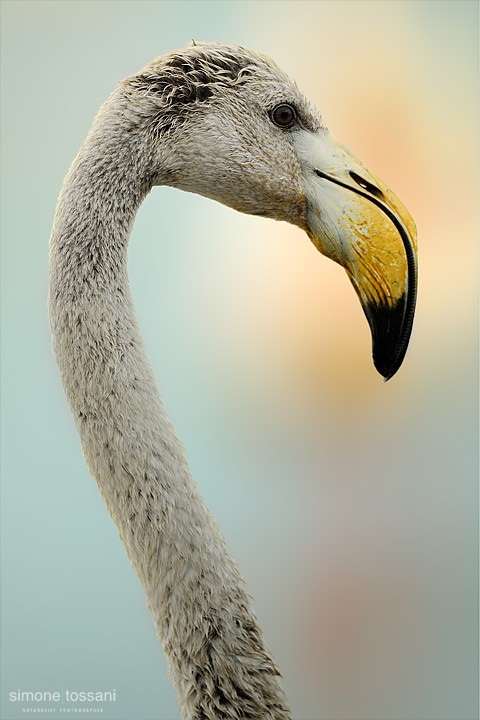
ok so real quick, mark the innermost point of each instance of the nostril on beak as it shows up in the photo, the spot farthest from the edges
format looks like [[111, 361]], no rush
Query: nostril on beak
[[365, 184]]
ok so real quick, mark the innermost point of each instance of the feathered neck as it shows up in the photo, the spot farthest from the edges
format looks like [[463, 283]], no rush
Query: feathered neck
[[218, 660]]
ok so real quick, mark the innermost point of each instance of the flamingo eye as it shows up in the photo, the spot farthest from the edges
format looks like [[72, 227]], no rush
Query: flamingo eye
[[283, 116]]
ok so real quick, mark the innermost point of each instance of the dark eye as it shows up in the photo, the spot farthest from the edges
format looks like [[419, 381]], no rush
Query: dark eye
[[284, 115]]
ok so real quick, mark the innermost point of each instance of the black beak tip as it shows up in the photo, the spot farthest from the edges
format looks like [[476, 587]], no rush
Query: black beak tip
[[391, 328], [386, 366]]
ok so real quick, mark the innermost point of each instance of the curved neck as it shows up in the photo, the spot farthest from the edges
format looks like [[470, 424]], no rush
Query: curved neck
[[217, 655]]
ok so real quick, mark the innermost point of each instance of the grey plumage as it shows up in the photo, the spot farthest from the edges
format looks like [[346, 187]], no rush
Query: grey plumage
[[201, 120], [218, 660]]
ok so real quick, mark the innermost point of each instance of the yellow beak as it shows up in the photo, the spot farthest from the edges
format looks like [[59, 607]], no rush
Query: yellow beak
[[356, 220]]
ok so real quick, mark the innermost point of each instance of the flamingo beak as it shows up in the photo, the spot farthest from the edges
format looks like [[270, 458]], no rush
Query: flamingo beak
[[356, 220]]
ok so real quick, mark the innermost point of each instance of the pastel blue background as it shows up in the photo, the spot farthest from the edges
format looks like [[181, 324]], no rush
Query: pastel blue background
[[349, 504]]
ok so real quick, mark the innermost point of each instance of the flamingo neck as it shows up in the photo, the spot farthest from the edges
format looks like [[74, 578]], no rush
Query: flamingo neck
[[218, 660]]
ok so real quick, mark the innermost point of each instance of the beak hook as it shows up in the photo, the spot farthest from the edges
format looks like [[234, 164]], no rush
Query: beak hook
[[384, 323]]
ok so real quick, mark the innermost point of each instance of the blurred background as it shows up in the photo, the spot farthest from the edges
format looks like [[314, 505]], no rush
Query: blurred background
[[349, 504]]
